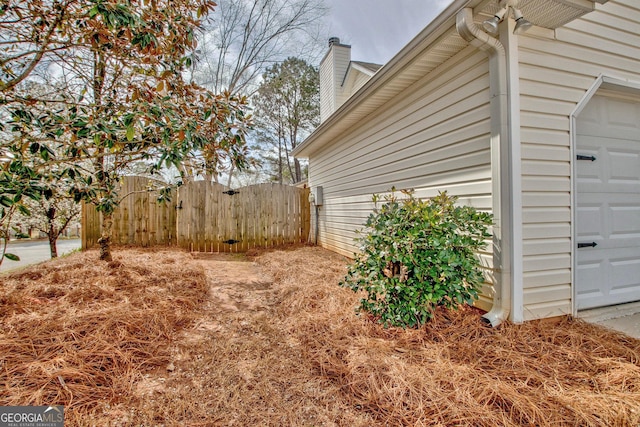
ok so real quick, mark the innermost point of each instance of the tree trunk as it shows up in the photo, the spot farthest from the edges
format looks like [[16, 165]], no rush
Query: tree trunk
[[279, 158], [298, 170], [5, 225], [51, 232], [99, 70], [232, 169], [105, 238], [52, 246], [292, 172]]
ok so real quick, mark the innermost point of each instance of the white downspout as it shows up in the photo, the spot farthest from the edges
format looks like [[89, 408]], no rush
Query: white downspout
[[500, 162]]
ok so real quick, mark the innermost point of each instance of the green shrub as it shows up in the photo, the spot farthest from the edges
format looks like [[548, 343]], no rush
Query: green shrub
[[416, 255]]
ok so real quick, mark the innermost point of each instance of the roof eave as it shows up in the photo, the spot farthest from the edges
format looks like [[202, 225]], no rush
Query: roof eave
[[362, 101]]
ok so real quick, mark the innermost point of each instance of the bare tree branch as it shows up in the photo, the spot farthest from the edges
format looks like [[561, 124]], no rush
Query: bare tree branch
[[245, 37]]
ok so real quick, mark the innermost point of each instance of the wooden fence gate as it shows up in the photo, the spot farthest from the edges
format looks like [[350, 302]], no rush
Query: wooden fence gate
[[214, 218], [205, 217]]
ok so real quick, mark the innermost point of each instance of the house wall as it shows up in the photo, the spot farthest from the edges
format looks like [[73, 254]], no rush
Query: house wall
[[556, 69], [432, 137]]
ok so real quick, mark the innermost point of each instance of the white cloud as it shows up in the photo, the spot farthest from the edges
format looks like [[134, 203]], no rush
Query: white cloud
[[377, 29]]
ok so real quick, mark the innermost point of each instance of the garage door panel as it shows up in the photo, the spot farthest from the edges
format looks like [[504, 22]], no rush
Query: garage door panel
[[622, 275], [618, 221], [590, 171], [606, 116], [590, 276], [625, 166], [591, 221], [625, 222], [622, 115], [608, 203], [616, 167], [625, 275]]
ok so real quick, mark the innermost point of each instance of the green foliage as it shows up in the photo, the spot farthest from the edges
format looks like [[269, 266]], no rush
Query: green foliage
[[417, 255], [121, 98], [12, 257]]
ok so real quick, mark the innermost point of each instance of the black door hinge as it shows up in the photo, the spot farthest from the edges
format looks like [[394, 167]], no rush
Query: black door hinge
[[231, 192], [231, 241], [587, 245], [581, 157]]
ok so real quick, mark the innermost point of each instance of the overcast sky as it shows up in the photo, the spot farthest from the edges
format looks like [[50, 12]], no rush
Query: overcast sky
[[378, 29]]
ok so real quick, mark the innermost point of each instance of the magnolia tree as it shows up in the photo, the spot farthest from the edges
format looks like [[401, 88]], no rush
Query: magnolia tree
[[124, 100], [30, 31]]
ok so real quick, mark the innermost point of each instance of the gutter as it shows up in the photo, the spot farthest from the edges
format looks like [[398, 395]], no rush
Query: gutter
[[501, 173]]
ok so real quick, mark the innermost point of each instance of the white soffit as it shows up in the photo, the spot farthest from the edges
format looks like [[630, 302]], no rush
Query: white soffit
[[549, 13]]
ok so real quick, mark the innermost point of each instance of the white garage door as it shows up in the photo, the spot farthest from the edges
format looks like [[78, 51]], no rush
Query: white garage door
[[608, 202]]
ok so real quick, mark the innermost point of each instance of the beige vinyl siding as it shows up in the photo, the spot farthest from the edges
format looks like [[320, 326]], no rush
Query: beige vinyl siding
[[342, 58], [332, 71], [556, 70], [326, 88], [432, 137], [448, 112], [356, 80]]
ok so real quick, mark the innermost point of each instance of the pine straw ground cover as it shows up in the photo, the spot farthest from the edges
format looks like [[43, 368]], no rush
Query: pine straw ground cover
[[158, 338]]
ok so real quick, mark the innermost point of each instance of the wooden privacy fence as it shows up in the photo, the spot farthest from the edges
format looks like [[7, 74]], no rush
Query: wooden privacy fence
[[207, 217], [139, 220]]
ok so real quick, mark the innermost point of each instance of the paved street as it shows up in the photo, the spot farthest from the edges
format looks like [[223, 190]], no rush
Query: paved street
[[34, 251]]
